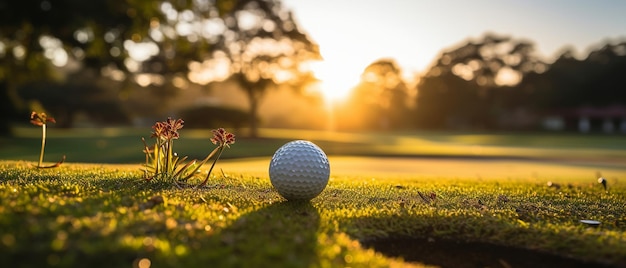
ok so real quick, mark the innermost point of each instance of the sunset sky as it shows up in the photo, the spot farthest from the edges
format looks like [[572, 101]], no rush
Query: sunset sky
[[353, 34]]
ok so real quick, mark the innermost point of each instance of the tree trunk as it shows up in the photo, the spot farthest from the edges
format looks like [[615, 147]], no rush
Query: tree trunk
[[254, 91], [254, 110]]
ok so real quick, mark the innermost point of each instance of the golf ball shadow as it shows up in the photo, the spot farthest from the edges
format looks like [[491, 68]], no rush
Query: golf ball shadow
[[259, 238], [299, 170]]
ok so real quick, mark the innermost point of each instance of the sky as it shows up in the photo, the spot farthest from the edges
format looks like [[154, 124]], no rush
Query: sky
[[353, 34]]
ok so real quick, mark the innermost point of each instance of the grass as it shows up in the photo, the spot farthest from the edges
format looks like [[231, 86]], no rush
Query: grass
[[81, 215], [123, 145], [439, 207], [106, 215]]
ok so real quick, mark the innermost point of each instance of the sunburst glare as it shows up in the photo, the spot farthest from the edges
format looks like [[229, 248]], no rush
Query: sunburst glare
[[334, 84]]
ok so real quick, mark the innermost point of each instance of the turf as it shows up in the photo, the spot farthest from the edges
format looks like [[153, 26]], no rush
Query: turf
[[394, 199], [107, 216], [123, 145]]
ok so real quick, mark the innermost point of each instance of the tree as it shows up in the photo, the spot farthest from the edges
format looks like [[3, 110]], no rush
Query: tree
[[597, 80], [151, 43], [379, 101], [607, 85], [464, 87], [556, 85], [265, 48], [8, 110], [38, 37], [79, 93]]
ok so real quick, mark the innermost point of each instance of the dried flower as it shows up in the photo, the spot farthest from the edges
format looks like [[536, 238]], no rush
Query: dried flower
[[172, 127], [40, 119], [222, 138], [159, 130], [167, 130]]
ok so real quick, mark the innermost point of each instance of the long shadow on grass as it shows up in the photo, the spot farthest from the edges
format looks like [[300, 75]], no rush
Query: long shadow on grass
[[461, 255], [282, 234]]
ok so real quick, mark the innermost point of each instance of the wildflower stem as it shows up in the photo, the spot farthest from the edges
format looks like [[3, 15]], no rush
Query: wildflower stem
[[221, 149], [157, 151], [43, 144], [166, 157]]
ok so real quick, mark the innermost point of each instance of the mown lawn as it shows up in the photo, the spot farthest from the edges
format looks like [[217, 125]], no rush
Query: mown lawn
[[106, 216], [394, 199], [123, 145]]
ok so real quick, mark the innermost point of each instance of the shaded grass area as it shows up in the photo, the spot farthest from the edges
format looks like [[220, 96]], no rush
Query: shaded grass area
[[471, 254], [106, 215]]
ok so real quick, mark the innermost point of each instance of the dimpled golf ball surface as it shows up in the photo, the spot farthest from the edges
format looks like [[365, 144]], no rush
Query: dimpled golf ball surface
[[299, 170]]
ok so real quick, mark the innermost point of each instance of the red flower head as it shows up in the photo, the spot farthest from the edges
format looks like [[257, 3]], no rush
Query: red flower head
[[159, 130], [167, 130], [40, 119], [172, 127], [222, 137]]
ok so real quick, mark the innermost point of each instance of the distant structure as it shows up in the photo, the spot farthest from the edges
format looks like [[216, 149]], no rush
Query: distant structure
[[608, 119]]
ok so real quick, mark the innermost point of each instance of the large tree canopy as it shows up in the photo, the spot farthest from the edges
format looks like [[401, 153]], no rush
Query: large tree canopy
[[38, 38], [598, 80], [380, 100], [465, 86], [152, 43], [264, 47]]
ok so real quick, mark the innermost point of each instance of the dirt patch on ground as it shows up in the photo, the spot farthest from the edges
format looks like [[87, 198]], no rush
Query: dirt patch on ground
[[470, 255]]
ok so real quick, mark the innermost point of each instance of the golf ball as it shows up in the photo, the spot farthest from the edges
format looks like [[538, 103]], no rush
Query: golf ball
[[299, 170]]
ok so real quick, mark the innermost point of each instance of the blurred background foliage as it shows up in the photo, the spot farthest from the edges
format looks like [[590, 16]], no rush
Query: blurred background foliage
[[243, 63]]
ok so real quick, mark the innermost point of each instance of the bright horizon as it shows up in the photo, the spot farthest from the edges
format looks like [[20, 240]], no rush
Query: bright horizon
[[351, 35]]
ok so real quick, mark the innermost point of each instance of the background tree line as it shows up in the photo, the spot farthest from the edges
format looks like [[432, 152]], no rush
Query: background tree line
[[494, 82], [64, 56], [468, 84]]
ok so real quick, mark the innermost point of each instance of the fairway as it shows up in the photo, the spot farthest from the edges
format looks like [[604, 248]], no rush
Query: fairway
[[540, 157], [375, 212], [437, 168], [123, 145], [393, 199]]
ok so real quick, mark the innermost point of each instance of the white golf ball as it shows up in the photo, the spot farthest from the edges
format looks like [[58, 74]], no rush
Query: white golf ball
[[299, 170]]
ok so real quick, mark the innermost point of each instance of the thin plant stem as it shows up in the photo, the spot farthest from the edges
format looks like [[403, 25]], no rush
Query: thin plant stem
[[157, 150], [212, 165], [168, 155], [43, 144]]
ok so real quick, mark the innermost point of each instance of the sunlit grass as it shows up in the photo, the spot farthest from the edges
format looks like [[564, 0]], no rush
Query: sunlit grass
[[539, 172], [520, 190], [104, 216], [107, 215]]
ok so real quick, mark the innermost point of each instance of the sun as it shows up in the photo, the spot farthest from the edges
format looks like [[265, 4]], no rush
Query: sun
[[334, 85]]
